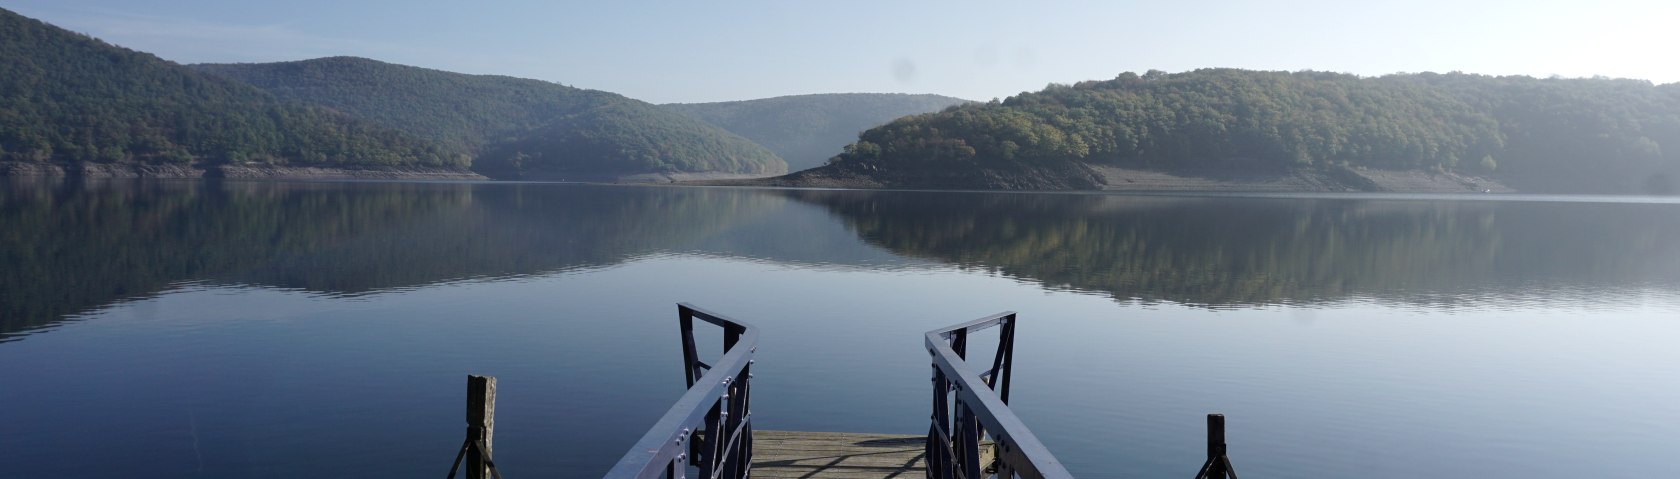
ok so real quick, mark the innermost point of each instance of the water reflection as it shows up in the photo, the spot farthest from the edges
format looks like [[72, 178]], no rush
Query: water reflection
[[75, 246], [1234, 251], [72, 246]]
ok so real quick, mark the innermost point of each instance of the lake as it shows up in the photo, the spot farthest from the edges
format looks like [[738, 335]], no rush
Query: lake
[[243, 330]]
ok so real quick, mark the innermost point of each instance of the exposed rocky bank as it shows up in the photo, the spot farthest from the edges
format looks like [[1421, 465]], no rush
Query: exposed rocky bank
[[1078, 176]]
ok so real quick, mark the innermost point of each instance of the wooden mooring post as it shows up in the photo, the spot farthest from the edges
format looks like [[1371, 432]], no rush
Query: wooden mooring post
[[481, 424], [1218, 465]]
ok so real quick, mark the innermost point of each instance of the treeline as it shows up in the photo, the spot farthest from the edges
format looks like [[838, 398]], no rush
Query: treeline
[[626, 137], [67, 97], [1565, 135], [806, 130], [512, 127]]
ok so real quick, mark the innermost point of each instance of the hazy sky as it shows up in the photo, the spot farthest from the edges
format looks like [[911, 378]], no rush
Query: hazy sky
[[720, 50]]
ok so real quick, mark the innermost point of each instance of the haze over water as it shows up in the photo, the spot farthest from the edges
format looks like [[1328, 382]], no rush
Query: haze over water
[[186, 329]]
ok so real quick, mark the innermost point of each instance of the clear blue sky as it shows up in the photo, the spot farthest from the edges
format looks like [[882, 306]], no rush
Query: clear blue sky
[[694, 51]]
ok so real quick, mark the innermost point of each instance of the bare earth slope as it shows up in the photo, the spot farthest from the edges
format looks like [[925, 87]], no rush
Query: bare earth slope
[[1108, 178]]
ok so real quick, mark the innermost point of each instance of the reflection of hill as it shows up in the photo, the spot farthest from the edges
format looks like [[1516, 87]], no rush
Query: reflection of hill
[[1222, 251], [72, 247], [511, 230]]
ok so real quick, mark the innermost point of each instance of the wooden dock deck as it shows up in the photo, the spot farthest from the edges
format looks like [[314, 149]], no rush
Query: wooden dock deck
[[824, 455]]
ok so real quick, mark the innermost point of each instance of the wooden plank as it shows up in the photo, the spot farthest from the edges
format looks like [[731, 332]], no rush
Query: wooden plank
[[834, 455], [831, 455]]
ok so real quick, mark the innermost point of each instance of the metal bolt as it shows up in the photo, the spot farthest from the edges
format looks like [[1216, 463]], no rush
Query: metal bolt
[[682, 457], [749, 375]]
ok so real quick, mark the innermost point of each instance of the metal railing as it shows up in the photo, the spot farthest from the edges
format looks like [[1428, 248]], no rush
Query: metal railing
[[969, 406], [709, 429], [710, 426]]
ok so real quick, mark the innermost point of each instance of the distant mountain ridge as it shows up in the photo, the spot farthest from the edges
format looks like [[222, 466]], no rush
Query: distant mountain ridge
[[68, 98], [807, 130], [513, 128], [72, 104]]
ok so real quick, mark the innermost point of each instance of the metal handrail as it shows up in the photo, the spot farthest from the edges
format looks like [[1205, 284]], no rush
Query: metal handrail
[[710, 425], [981, 407]]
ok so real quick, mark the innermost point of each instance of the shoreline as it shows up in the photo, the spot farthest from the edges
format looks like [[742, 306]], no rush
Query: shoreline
[[1119, 180], [1114, 179], [242, 172]]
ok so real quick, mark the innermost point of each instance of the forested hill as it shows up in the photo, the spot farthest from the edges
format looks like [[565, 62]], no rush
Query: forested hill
[[1538, 135], [514, 128], [806, 130], [67, 97]]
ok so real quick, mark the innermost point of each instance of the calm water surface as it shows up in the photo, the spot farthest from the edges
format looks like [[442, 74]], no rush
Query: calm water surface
[[185, 329]]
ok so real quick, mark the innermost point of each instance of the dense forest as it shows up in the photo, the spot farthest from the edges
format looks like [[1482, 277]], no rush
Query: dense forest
[[70, 98], [1555, 135], [806, 130], [67, 97], [513, 128]]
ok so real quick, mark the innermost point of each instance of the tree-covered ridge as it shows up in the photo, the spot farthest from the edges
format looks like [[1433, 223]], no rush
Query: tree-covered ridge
[[1587, 135], [806, 130], [512, 127], [69, 97], [1624, 135]]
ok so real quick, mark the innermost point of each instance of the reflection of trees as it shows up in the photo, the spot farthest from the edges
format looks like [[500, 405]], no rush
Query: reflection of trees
[[71, 247], [1262, 251], [510, 230], [74, 246]]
